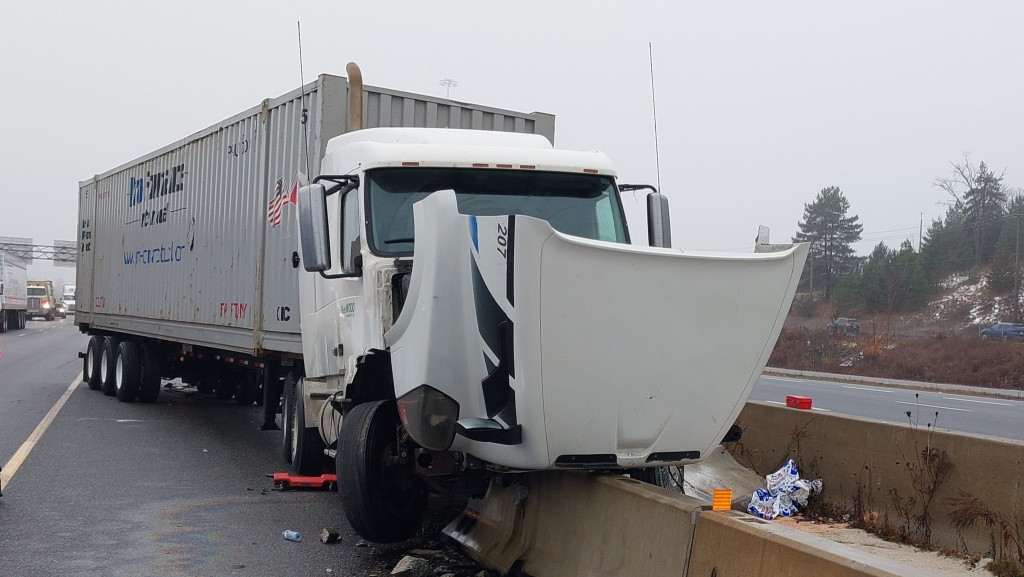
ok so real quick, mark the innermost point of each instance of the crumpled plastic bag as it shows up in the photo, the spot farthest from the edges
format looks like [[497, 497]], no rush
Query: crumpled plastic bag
[[785, 493]]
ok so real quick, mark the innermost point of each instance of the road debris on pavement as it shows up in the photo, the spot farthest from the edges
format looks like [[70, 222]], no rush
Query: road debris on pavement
[[328, 535], [412, 567]]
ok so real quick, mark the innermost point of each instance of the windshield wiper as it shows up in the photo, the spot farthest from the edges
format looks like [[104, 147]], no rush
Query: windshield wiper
[[397, 240]]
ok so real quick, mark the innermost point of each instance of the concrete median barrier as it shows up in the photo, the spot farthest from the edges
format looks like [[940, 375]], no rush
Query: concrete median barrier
[[910, 479], [733, 544], [574, 524]]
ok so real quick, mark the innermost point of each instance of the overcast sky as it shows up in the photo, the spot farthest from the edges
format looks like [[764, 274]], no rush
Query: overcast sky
[[760, 104]]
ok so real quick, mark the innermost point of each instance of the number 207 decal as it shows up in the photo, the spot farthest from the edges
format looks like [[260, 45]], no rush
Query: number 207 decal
[[503, 240]]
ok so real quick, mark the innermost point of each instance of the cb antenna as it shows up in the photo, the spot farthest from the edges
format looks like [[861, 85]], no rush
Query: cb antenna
[[305, 111], [654, 105]]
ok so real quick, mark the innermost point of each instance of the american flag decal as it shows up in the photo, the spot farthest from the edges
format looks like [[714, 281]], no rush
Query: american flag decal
[[276, 205]]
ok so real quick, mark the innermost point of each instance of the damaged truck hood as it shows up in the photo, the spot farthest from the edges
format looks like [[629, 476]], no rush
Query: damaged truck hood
[[574, 353]]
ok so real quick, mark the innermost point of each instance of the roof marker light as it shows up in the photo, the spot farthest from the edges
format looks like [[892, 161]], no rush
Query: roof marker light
[[480, 165], [410, 164], [503, 165], [590, 170], [527, 166]]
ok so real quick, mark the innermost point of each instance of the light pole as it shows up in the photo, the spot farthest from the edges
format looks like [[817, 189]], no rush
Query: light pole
[[448, 84]]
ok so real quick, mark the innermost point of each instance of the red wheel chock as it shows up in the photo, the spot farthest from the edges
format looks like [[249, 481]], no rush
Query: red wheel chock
[[285, 481]]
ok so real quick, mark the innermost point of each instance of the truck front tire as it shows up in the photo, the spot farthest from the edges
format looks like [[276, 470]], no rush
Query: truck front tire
[[307, 447], [91, 370], [288, 389], [107, 354], [384, 503], [127, 371]]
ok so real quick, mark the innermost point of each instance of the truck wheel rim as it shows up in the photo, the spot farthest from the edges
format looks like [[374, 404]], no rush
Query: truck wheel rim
[[103, 367], [118, 373], [90, 361]]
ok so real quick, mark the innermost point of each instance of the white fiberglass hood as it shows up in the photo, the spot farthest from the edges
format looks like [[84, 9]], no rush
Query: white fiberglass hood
[[575, 353]]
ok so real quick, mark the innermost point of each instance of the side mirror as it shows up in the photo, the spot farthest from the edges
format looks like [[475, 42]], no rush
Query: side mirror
[[659, 229], [313, 232]]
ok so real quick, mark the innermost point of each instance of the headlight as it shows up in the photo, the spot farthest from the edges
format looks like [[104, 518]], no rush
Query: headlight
[[429, 415], [46, 305]]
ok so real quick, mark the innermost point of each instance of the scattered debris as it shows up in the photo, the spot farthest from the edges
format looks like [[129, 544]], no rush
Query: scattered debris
[[426, 552], [292, 535], [238, 566], [361, 544], [412, 567], [785, 491], [330, 536]]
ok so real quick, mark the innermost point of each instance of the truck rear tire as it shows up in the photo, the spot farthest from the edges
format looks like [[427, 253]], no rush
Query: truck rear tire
[[127, 371], [149, 374], [3, 321], [307, 446], [107, 354], [383, 503], [91, 368], [22, 320]]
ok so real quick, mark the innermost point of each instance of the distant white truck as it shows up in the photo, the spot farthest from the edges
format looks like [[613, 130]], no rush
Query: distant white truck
[[69, 297], [441, 305], [13, 297]]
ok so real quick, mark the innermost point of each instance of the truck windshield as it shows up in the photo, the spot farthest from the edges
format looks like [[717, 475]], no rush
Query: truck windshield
[[577, 204], [37, 292]]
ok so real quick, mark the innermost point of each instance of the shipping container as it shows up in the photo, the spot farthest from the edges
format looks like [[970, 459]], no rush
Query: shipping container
[[197, 242], [13, 299]]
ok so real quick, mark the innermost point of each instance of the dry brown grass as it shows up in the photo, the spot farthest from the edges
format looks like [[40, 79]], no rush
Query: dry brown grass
[[958, 360]]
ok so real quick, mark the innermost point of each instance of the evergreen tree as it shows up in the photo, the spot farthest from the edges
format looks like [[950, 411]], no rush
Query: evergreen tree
[[831, 234]]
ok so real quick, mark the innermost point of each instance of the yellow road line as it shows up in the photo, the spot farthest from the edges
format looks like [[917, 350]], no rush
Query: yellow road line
[[11, 467]]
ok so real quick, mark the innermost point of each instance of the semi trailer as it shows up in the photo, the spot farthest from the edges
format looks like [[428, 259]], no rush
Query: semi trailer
[[13, 299], [436, 294]]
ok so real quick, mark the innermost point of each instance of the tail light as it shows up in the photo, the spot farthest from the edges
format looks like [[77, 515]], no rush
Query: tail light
[[429, 416]]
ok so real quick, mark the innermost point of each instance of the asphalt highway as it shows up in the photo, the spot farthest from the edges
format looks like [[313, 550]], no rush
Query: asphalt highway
[[982, 415], [178, 487]]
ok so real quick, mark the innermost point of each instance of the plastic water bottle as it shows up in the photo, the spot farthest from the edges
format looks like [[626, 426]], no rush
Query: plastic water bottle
[[292, 535]]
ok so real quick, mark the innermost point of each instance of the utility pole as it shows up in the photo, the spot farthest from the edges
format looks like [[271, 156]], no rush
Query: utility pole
[[812, 272], [1016, 274], [920, 233]]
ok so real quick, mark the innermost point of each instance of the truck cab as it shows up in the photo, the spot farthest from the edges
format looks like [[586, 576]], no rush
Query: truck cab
[[472, 306], [41, 301]]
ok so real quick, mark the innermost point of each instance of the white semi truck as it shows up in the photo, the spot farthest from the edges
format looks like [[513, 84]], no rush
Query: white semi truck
[[445, 298], [13, 297]]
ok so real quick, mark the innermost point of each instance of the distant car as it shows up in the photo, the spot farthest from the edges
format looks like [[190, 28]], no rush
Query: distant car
[[844, 325], [61, 310], [1004, 331]]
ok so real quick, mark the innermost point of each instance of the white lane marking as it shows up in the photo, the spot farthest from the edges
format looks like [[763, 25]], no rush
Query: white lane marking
[[22, 334], [11, 466], [868, 389], [932, 406], [974, 401], [820, 409], [783, 379]]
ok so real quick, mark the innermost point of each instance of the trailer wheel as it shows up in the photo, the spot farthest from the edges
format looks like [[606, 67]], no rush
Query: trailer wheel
[[382, 500], [3, 321], [306, 444], [248, 389], [224, 387], [107, 354], [288, 389], [127, 371], [91, 370], [22, 320], [149, 385]]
